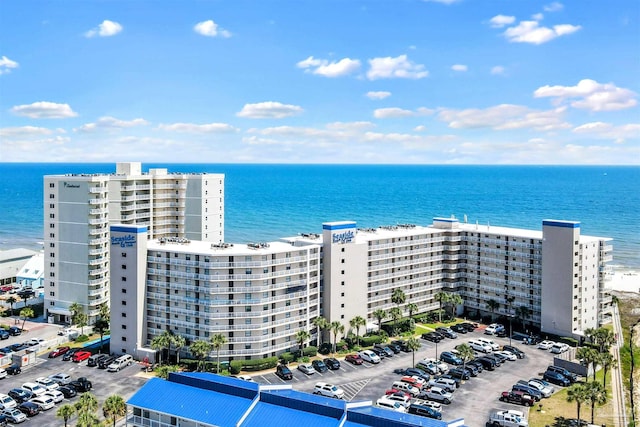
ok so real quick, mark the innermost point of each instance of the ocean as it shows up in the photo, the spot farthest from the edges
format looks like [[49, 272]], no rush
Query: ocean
[[266, 202]]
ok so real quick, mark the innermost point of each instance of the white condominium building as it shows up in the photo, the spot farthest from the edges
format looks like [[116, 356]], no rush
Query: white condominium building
[[259, 296], [78, 209]]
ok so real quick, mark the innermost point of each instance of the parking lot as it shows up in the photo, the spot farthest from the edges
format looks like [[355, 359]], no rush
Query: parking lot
[[473, 401], [124, 383]]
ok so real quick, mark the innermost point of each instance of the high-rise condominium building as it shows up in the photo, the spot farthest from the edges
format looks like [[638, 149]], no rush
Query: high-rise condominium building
[[78, 209]]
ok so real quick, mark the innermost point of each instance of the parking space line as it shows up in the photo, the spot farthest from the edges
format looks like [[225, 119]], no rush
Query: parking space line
[[265, 378]]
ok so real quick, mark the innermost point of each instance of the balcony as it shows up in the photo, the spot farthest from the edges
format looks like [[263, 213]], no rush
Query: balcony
[[98, 221], [99, 241]]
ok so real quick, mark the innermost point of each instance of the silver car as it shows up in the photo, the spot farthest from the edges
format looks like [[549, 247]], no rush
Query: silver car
[[307, 368]]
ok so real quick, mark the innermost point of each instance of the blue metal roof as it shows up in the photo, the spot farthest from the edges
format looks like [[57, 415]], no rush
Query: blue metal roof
[[371, 416], [268, 415], [192, 403], [219, 383]]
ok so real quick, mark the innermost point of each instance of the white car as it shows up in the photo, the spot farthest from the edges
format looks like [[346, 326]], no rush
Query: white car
[[510, 356], [544, 390], [428, 367], [34, 388], [546, 345], [307, 368], [479, 346], [385, 403], [44, 402], [542, 383], [60, 378], [369, 356], [3, 373], [14, 415], [328, 390], [491, 343], [56, 395], [399, 397], [244, 377], [558, 348], [48, 383], [7, 402], [435, 405], [443, 383], [442, 366]]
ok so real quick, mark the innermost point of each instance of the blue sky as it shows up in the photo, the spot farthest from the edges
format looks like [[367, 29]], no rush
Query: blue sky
[[405, 81]]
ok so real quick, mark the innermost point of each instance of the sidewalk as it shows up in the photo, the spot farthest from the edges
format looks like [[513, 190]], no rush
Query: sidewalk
[[617, 388]]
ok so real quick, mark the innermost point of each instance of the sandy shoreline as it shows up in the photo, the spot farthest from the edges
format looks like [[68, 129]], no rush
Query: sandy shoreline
[[624, 280]]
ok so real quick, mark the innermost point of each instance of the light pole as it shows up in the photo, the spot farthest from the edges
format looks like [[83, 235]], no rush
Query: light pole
[[510, 328], [436, 350]]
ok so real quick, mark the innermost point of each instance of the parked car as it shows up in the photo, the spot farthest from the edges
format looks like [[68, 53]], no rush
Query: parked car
[[439, 395], [47, 383], [491, 343], [479, 346], [44, 402], [30, 409], [558, 348], [95, 359], [545, 391], [328, 390], [393, 405], [284, 372], [394, 347], [69, 354], [4, 335], [514, 350], [546, 345], [428, 367], [487, 363], [493, 329], [542, 383], [14, 331], [306, 368], [34, 388], [332, 363], [432, 336], [475, 363], [80, 356], [517, 397], [104, 363], [7, 401], [58, 351], [444, 383], [20, 395], [61, 378], [379, 352], [507, 354], [417, 372], [459, 329], [527, 389], [460, 373], [56, 395], [387, 351], [425, 411], [446, 332], [569, 375], [449, 357], [498, 360], [68, 391], [369, 356], [469, 326], [14, 415], [399, 396], [416, 381], [442, 367], [81, 384], [458, 381], [319, 366], [499, 356], [353, 359], [402, 344], [556, 378]]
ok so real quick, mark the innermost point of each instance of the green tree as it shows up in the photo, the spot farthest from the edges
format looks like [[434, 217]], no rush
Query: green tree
[[337, 328], [66, 412], [442, 297], [590, 333], [24, 313], [398, 297], [82, 320], [590, 357], [105, 312], [523, 313], [466, 353], [412, 308], [163, 371], [101, 326], [178, 342], [414, 345], [11, 301], [493, 306], [454, 300], [114, 407], [200, 349], [396, 314], [301, 337], [607, 361], [578, 393], [380, 314], [86, 407], [596, 394], [75, 309], [322, 325], [87, 419], [159, 343], [604, 339], [217, 342], [358, 322]]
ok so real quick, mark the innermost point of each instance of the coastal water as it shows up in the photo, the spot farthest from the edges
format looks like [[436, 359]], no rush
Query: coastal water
[[266, 202]]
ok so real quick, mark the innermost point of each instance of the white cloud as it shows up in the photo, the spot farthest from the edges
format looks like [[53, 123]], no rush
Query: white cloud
[[378, 95], [498, 70], [325, 68], [106, 29], [195, 128], [6, 65], [350, 126], [553, 7], [459, 67], [537, 17], [591, 95], [394, 113], [269, 110], [420, 128], [500, 21], [210, 29], [44, 110], [398, 67], [532, 32], [447, 2], [504, 117], [608, 131], [24, 131], [110, 123]]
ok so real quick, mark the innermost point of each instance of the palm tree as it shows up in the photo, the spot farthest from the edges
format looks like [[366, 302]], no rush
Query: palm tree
[[322, 324], [12, 300], [442, 297], [396, 314], [217, 342], [412, 308], [577, 393], [114, 407], [597, 395], [86, 404], [75, 308], [493, 306], [380, 314], [178, 342], [607, 361], [466, 353], [414, 345], [590, 334], [159, 343], [398, 297], [87, 419], [82, 320], [523, 313], [614, 300], [453, 301], [589, 356], [200, 349], [24, 313], [105, 313], [604, 338], [337, 328], [101, 326], [66, 412], [301, 337], [356, 323]]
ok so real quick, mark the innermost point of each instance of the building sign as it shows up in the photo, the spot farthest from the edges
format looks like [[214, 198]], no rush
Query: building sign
[[343, 237], [124, 241], [70, 185]]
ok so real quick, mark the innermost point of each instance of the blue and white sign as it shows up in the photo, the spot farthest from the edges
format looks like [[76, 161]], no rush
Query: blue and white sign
[[343, 237], [126, 241]]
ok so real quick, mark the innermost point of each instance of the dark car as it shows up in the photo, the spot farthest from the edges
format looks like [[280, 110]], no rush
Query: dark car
[[418, 373], [498, 361], [20, 395], [284, 372], [514, 350], [319, 366], [69, 354], [502, 333], [450, 358], [103, 363], [14, 331], [458, 328], [58, 351], [380, 352], [476, 364], [517, 397], [4, 335], [535, 393], [81, 384], [4, 422], [488, 364], [6, 350], [562, 371], [463, 374], [388, 352], [556, 378], [425, 411], [332, 363], [67, 391], [432, 336], [500, 357], [402, 344], [354, 359], [470, 327], [451, 377], [14, 369], [30, 409], [473, 369], [446, 332], [396, 348]]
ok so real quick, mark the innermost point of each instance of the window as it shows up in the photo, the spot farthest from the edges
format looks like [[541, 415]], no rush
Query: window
[[52, 254], [124, 338], [247, 308], [52, 235], [51, 215], [51, 185], [342, 272], [124, 326], [52, 196], [52, 205], [342, 250], [124, 302], [342, 260], [124, 314], [124, 291], [124, 279], [52, 225], [123, 254], [124, 266], [53, 294]]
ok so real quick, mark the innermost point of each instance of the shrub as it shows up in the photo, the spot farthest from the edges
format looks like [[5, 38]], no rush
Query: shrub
[[254, 364], [325, 348], [235, 367], [287, 357], [568, 340], [82, 338], [310, 351], [370, 340]]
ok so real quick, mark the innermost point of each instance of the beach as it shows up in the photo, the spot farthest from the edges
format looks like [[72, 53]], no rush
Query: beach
[[625, 280]]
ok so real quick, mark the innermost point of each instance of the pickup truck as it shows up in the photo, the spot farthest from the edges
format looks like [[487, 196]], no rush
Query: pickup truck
[[438, 394], [509, 418]]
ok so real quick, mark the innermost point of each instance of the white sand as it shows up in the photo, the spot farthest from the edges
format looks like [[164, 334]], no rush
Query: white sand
[[625, 280]]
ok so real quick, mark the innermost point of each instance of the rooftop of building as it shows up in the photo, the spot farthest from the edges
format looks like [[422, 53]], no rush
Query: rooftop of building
[[12, 261], [215, 400], [183, 245]]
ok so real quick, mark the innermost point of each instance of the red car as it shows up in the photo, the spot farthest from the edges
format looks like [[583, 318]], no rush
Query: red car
[[80, 356], [396, 392], [59, 351], [354, 358]]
